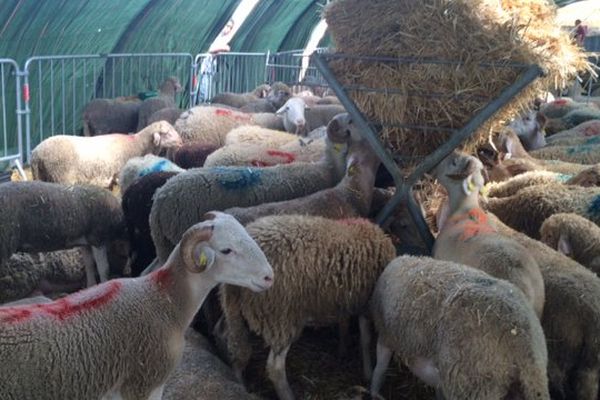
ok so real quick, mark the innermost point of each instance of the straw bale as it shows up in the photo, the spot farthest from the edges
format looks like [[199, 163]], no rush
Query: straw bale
[[470, 32]]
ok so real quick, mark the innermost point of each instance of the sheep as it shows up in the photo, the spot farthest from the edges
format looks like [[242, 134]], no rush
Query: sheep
[[326, 270], [518, 182], [28, 300], [559, 107], [61, 270], [209, 125], [201, 375], [526, 210], [530, 130], [169, 114], [122, 339], [256, 135], [97, 160], [574, 236], [72, 216], [239, 100], [137, 167], [468, 334], [571, 319], [515, 159], [276, 97], [299, 118], [136, 202], [179, 203], [582, 154], [192, 154], [588, 177], [586, 131], [468, 237], [350, 198], [572, 119], [102, 116], [263, 156], [577, 140], [165, 99]]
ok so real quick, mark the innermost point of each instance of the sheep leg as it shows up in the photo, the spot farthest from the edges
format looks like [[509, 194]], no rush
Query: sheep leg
[[384, 355], [343, 328], [101, 262], [277, 375], [365, 346], [90, 268]]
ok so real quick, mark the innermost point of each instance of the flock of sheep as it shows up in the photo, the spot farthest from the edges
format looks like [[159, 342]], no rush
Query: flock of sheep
[[267, 195]]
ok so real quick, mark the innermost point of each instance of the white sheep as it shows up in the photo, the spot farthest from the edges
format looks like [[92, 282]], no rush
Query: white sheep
[[574, 236], [531, 178], [238, 100], [530, 129], [581, 153], [185, 197], [326, 270], [258, 155], [40, 216], [301, 119], [137, 167], [571, 319], [209, 125], [97, 160], [527, 210], [201, 375], [587, 131], [249, 134], [469, 335], [469, 238], [123, 338]]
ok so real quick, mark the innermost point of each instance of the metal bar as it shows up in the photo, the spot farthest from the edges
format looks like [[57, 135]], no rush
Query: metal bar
[[74, 96], [532, 73], [3, 92], [417, 60]]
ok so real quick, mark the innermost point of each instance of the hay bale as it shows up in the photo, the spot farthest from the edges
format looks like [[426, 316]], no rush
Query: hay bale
[[464, 31]]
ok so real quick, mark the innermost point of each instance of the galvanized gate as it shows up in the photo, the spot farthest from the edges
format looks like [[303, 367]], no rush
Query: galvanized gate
[[56, 88], [11, 149]]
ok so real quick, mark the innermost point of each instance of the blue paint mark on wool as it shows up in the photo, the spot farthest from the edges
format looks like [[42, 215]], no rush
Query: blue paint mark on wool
[[594, 208], [160, 166], [237, 178], [564, 177], [580, 149], [593, 140]]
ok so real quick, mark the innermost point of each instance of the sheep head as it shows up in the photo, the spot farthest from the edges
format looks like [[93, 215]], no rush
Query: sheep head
[[220, 249], [460, 171], [164, 135]]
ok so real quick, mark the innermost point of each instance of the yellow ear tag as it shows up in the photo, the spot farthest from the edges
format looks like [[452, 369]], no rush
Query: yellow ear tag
[[337, 147], [484, 191], [202, 260], [468, 186]]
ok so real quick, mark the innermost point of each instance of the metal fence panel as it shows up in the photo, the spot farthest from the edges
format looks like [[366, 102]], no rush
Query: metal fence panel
[[293, 67], [60, 86], [11, 146], [227, 72]]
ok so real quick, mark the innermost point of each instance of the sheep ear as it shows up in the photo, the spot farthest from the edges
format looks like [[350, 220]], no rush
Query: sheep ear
[[564, 246], [264, 93], [203, 258], [156, 139], [282, 110]]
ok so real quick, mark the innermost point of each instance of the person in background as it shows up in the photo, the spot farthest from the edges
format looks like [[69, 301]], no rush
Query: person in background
[[579, 33], [208, 68]]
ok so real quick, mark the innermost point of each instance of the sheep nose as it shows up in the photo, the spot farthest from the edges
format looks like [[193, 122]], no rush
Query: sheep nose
[[268, 280]]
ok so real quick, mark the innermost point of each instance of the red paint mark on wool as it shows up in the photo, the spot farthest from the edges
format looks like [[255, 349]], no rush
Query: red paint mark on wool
[[592, 130], [353, 221], [66, 307], [162, 277], [472, 223], [221, 112], [287, 157]]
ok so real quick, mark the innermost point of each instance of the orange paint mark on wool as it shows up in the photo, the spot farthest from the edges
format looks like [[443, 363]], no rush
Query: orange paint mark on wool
[[472, 223], [161, 277], [222, 112], [66, 307], [560, 102]]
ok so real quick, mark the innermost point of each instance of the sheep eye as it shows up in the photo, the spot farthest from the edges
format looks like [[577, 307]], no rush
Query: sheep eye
[[226, 251]]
